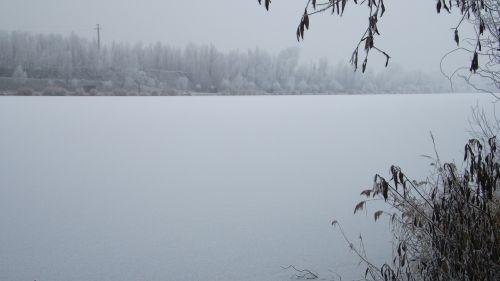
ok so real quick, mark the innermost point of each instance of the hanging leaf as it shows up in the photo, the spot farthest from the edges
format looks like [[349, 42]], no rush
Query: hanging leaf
[[267, 4], [438, 6], [367, 43], [473, 68], [302, 29], [394, 172], [359, 206], [343, 6], [385, 185], [363, 67], [373, 24], [446, 7], [366, 192], [377, 215], [356, 60], [492, 142], [306, 19], [314, 4], [456, 36]]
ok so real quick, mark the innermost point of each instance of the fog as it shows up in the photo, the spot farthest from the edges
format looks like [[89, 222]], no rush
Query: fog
[[412, 32], [38, 64], [198, 187], [206, 188]]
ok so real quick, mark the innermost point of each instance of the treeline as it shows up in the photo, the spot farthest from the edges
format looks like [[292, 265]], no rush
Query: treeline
[[75, 62]]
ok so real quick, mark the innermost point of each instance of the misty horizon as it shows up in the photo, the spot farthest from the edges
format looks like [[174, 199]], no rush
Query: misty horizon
[[243, 25], [53, 64]]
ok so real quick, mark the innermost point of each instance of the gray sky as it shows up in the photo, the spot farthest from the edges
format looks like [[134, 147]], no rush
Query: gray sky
[[414, 35]]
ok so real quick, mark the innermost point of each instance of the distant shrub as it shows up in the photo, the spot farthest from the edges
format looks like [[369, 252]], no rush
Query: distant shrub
[[54, 91], [79, 92], [92, 92], [169, 92], [182, 83], [24, 92], [120, 92], [88, 88], [20, 75], [107, 85], [74, 83]]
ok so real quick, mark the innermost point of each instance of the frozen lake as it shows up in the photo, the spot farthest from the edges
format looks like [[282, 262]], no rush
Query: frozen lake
[[205, 188]]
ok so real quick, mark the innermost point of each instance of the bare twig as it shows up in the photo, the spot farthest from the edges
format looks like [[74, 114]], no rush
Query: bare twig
[[303, 273]]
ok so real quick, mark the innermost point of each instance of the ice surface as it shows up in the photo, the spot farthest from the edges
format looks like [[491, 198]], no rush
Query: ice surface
[[205, 188]]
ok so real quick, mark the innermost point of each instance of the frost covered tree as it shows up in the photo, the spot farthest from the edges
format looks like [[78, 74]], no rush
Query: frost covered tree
[[66, 66], [286, 62], [182, 83], [140, 79], [20, 75], [62, 59]]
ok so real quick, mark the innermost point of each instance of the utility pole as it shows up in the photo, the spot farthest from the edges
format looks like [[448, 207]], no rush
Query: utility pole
[[98, 28]]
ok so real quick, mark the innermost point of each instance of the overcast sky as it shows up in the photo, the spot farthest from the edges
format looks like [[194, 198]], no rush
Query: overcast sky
[[414, 35]]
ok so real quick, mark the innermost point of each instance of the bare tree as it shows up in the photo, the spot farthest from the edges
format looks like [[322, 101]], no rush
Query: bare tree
[[482, 15]]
